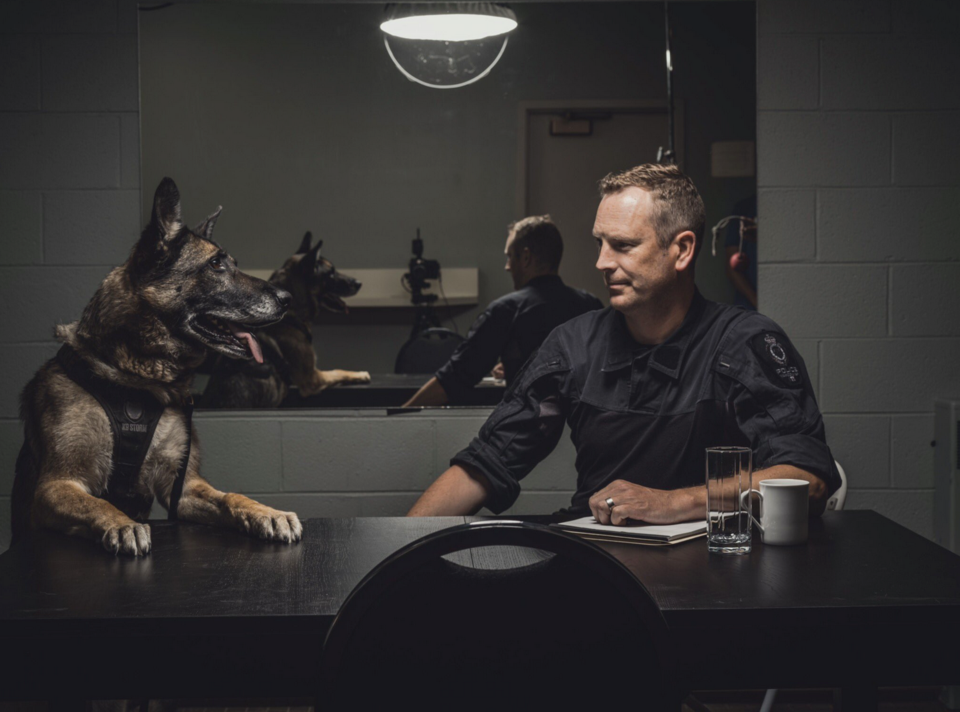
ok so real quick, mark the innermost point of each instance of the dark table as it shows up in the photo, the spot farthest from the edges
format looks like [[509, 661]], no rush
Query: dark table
[[212, 613], [385, 390]]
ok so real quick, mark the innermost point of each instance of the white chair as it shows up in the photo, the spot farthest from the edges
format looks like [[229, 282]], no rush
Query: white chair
[[835, 503]]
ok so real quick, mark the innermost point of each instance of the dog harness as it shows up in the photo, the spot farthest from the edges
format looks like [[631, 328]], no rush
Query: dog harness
[[133, 414]]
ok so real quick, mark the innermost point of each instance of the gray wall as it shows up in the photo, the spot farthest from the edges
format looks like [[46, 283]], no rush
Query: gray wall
[[293, 117], [859, 182]]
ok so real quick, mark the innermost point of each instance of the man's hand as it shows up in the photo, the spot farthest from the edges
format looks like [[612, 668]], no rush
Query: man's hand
[[641, 503], [498, 371]]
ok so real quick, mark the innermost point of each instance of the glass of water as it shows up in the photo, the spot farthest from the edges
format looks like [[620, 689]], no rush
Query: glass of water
[[729, 474]]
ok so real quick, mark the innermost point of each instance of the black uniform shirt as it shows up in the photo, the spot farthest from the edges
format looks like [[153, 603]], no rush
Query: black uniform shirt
[[645, 414], [511, 329]]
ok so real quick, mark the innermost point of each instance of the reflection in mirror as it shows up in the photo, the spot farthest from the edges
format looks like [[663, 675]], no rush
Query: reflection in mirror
[[295, 119]]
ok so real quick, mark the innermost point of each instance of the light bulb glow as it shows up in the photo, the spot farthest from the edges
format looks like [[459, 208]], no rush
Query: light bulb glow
[[417, 80], [448, 27]]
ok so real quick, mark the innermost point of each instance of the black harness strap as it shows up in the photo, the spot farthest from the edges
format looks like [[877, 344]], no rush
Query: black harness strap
[[133, 414]]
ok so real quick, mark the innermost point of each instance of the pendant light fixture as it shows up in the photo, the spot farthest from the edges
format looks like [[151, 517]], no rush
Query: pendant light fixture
[[448, 44]]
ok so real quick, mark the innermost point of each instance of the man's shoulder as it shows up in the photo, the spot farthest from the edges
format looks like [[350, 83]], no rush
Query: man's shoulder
[[740, 325], [584, 327]]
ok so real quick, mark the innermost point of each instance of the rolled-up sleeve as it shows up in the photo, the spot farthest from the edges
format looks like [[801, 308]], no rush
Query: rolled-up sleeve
[[478, 353], [523, 429], [775, 405]]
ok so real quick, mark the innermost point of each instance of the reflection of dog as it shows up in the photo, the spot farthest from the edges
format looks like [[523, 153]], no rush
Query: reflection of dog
[[107, 421], [289, 358]]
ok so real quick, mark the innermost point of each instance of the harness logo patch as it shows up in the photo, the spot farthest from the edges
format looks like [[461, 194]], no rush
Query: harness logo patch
[[133, 427], [778, 359]]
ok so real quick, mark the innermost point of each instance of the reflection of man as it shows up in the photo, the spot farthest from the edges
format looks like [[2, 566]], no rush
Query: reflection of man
[[514, 326], [744, 279], [649, 383]]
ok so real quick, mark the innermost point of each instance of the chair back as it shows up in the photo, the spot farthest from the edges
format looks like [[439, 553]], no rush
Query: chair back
[[574, 628], [427, 351], [839, 497]]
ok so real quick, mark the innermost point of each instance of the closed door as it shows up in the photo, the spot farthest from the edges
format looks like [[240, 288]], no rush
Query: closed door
[[563, 173]]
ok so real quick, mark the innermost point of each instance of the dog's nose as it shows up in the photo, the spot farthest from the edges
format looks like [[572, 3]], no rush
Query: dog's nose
[[284, 297]]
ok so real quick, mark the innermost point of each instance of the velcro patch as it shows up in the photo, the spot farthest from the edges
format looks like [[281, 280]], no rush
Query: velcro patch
[[779, 360]]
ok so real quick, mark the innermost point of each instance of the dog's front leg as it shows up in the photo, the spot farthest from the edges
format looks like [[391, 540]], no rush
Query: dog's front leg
[[65, 505], [202, 503]]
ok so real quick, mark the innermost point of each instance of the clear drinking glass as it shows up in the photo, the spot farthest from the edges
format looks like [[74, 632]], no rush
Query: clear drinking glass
[[729, 475]]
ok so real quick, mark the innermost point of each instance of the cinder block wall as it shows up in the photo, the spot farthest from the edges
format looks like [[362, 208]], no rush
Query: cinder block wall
[[859, 183]]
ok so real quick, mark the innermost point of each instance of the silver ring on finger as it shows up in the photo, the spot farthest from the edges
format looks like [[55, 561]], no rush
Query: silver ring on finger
[[610, 503]]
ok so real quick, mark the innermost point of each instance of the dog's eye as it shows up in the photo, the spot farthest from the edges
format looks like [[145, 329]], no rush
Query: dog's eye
[[216, 263]]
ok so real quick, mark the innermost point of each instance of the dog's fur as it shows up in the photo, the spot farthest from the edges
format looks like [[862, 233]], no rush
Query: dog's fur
[[316, 286], [147, 327]]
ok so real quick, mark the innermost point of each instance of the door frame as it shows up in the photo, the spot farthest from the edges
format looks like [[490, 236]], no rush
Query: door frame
[[616, 106]]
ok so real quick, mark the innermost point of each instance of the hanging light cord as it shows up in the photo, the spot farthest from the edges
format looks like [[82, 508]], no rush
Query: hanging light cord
[[668, 156]]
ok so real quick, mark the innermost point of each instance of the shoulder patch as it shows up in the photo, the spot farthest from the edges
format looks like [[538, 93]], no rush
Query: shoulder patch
[[778, 358]]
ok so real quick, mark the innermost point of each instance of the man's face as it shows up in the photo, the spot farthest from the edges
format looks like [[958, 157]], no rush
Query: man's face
[[635, 267], [514, 264]]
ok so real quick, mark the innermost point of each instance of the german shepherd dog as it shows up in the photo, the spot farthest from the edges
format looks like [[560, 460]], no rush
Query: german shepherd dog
[[147, 328], [289, 358]]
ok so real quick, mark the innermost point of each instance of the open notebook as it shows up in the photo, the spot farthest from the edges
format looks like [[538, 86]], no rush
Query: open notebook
[[635, 533]]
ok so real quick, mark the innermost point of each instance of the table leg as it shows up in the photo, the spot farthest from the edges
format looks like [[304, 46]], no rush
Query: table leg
[[855, 698]]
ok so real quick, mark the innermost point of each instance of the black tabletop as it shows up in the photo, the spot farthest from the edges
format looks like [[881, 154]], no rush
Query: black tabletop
[[862, 587], [386, 390]]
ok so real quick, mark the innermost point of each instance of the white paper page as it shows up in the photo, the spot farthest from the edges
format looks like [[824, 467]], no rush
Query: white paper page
[[639, 529]]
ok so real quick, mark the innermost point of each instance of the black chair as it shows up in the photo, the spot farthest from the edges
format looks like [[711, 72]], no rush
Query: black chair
[[573, 628], [427, 351]]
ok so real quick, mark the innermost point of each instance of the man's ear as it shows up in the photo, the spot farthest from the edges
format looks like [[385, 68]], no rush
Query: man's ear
[[305, 244], [686, 244], [165, 221], [205, 229], [526, 257]]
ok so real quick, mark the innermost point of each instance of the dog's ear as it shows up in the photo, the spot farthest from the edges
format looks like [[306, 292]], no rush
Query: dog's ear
[[309, 262], [205, 229], [304, 244], [166, 220]]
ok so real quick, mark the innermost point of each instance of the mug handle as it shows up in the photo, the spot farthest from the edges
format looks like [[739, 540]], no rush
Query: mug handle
[[747, 505]]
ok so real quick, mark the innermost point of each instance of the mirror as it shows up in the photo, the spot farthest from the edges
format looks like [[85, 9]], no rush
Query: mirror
[[294, 118]]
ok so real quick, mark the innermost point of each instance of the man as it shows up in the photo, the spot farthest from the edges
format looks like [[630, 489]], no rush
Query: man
[[649, 383], [514, 326]]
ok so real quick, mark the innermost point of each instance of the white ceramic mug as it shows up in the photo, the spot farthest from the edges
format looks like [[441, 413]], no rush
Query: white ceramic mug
[[784, 510]]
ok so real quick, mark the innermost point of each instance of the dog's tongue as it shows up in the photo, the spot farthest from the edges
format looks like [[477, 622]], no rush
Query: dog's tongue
[[252, 342]]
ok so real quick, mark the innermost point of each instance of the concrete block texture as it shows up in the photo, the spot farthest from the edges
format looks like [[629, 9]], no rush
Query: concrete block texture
[[20, 73], [11, 438], [59, 151], [241, 455], [926, 16], [822, 149], [887, 375], [910, 508], [825, 300], [925, 148], [911, 456], [35, 299], [823, 16], [21, 239], [59, 16], [18, 363], [90, 227], [363, 455], [90, 73], [784, 56], [130, 151], [925, 300], [788, 225], [907, 224], [861, 444], [889, 72]]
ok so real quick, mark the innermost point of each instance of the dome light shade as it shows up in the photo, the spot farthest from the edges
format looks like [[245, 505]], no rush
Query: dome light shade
[[448, 22]]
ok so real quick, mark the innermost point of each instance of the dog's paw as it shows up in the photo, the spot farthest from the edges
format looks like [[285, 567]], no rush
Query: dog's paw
[[360, 377], [131, 539], [272, 525]]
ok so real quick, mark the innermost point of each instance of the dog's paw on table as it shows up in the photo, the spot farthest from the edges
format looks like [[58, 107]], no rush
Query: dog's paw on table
[[131, 539], [272, 525]]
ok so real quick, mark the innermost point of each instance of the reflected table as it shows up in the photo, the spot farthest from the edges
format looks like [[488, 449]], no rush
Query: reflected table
[[212, 613], [386, 390]]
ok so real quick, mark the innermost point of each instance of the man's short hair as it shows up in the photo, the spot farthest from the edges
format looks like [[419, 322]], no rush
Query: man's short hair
[[678, 206], [540, 235]]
